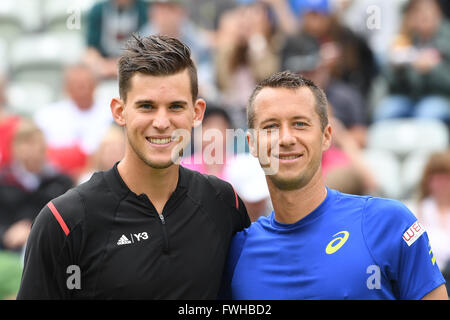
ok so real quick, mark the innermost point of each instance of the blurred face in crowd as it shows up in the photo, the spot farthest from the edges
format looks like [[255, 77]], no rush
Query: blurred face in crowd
[[157, 106], [425, 18], [295, 130], [316, 24], [30, 151], [439, 185], [218, 124], [168, 18], [435, 182], [80, 86], [241, 23], [111, 150], [255, 20]]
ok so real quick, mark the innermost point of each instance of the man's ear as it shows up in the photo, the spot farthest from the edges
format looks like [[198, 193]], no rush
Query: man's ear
[[118, 111], [327, 135], [252, 143], [199, 111]]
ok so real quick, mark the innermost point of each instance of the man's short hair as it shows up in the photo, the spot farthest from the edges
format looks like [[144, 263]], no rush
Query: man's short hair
[[289, 80], [155, 55]]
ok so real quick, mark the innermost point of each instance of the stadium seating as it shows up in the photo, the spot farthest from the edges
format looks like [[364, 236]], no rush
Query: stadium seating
[[26, 97], [412, 170], [386, 169], [408, 142], [51, 53], [402, 136]]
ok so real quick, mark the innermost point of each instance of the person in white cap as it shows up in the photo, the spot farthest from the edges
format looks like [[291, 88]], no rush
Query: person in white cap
[[248, 179]]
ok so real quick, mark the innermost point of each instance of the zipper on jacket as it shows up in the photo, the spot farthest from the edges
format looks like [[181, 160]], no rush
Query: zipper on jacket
[[166, 238], [163, 222]]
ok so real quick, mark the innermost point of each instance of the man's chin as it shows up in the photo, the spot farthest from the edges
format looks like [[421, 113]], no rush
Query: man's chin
[[159, 164], [287, 183]]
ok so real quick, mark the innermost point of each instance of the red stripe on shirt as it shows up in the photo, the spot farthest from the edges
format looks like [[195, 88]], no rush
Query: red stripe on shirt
[[58, 218], [237, 201]]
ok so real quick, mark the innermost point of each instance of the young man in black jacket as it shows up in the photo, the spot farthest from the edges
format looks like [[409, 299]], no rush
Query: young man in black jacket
[[148, 228]]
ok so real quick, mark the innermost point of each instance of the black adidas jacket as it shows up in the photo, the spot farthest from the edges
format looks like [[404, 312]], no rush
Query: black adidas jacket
[[102, 241]]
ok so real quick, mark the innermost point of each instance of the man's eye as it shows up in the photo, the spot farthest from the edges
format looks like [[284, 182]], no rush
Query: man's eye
[[146, 106], [300, 124], [176, 107], [270, 127]]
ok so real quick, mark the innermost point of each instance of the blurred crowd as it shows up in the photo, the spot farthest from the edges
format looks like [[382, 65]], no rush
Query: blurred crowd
[[384, 65]]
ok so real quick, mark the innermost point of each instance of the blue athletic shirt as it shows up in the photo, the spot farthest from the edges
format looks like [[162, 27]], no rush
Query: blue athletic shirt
[[350, 247]]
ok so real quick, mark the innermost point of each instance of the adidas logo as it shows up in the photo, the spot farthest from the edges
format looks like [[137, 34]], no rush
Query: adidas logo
[[135, 238], [123, 240]]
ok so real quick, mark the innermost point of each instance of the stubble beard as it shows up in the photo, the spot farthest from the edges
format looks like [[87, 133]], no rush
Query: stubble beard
[[148, 162], [294, 183]]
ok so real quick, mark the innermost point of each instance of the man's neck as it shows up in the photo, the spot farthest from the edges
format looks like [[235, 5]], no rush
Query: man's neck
[[293, 205], [157, 184]]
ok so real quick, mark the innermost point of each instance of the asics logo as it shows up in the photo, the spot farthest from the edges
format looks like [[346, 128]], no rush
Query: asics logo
[[135, 237], [335, 244]]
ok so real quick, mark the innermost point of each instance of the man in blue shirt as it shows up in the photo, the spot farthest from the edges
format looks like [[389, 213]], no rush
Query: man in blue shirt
[[320, 243]]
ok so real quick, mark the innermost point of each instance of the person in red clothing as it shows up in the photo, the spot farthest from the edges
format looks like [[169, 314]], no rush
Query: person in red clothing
[[74, 126], [8, 123], [27, 183]]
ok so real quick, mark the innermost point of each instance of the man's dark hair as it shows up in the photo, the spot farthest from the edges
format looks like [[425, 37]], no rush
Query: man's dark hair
[[289, 80], [155, 55]]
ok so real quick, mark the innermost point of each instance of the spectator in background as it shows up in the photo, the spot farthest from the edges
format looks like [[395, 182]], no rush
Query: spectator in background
[[110, 151], [206, 12], [8, 123], [246, 176], [343, 165], [419, 72], [246, 49], [75, 126], [26, 185], [171, 18], [377, 21], [433, 208], [213, 155], [110, 23], [356, 64], [286, 13]]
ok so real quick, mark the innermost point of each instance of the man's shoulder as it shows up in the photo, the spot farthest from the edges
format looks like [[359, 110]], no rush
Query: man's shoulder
[[377, 212], [372, 205], [389, 210], [73, 205], [385, 221], [200, 183], [261, 227], [218, 196]]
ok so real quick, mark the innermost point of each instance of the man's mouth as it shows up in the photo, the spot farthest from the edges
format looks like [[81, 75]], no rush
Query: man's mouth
[[288, 157], [160, 141]]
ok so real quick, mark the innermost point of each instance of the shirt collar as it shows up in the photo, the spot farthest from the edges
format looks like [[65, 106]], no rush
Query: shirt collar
[[120, 188]]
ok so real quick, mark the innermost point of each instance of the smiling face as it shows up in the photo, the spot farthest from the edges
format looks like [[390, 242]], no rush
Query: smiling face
[[294, 139], [157, 108]]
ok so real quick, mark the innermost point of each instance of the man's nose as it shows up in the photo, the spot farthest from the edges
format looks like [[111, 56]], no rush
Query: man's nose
[[285, 137], [161, 120]]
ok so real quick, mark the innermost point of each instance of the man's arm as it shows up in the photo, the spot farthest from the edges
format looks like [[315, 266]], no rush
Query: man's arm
[[440, 293], [239, 219], [402, 248], [47, 256]]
